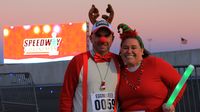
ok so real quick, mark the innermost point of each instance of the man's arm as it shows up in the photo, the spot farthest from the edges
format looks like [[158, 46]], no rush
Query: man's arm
[[70, 83]]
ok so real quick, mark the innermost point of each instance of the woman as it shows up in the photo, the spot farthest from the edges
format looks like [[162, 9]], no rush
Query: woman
[[146, 81]]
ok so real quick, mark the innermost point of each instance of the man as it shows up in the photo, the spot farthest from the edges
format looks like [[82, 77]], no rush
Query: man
[[91, 78]]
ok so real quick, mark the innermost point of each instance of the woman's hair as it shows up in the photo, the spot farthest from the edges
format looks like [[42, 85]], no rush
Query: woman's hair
[[146, 53]]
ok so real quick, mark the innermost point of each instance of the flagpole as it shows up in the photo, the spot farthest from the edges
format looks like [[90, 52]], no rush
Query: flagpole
[[180, 46], [183, 42]]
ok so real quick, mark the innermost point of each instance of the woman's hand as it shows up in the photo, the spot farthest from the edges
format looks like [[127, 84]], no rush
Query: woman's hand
[[166, 109]]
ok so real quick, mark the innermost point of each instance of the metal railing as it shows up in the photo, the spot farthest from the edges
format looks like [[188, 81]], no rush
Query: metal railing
[[17, 91], [190, 101]]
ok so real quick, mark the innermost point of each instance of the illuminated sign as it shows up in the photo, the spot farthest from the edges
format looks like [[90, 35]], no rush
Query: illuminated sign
[[44, 43]]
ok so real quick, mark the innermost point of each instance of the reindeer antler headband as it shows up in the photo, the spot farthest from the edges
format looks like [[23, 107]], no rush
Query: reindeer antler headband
[[94, 14]]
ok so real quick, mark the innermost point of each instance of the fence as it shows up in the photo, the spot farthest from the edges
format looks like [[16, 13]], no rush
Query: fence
[[191, 99], [17, 93]]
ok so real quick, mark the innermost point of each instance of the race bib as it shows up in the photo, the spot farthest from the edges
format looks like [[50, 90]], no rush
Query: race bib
[[103, 101]]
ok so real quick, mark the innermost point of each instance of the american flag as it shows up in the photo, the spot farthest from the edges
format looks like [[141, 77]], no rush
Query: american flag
[[184, 41]]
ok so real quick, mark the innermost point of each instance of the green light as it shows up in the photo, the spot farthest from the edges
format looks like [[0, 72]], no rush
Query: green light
[[180, 84]]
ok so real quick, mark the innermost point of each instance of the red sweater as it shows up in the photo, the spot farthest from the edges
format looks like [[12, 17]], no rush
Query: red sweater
[[158, 81]]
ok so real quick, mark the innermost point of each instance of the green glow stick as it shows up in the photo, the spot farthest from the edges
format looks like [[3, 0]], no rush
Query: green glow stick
[[179, 86]]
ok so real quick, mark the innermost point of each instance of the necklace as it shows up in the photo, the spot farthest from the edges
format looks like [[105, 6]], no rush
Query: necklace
[[103, 82], [131, 84]]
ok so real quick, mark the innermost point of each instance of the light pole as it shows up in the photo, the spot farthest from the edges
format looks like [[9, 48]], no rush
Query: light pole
[[149, 43]]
